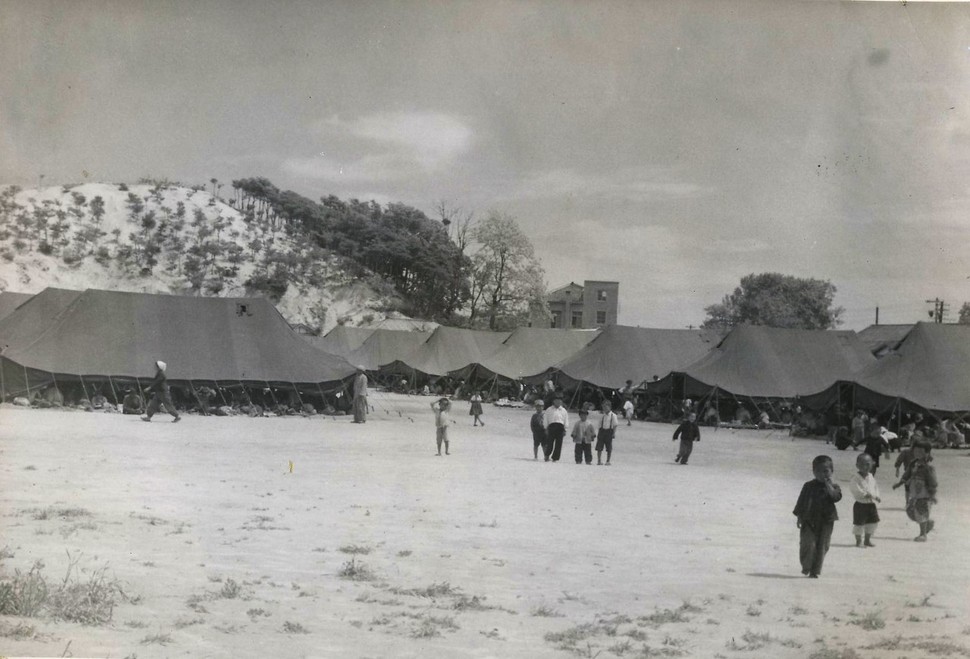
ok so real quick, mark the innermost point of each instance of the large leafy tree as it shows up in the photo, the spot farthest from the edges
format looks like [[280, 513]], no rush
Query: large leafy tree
[[777, 300], [964, 318], [507, 280]]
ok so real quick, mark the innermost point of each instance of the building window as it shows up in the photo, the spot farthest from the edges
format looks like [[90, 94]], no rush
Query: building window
[[601, 295], [600, 317], [556, 319], [577, 319]]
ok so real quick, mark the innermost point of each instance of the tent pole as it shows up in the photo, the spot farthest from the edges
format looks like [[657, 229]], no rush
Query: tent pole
[[3, 388], [141, 393], [195, 393], [298, 396], [114, 394], [83, 388], [27, 382], [219, 391]]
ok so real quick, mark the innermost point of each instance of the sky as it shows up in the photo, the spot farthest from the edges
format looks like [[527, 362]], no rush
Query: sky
[[673, 146]]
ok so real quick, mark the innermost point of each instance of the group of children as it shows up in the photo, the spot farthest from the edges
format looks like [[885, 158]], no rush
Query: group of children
[[549, 429], [816, 513]]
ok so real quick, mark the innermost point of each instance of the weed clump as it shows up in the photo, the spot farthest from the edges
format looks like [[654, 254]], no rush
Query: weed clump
[[355, 571], [88, 601]]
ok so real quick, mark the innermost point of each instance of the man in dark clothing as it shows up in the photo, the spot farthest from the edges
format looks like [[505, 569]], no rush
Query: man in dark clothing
[[832, 422], [688, 432], [161, 396], [132, 403]]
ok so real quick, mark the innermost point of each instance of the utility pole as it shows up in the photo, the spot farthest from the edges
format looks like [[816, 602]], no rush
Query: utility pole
[[877, 315], [939, 310]]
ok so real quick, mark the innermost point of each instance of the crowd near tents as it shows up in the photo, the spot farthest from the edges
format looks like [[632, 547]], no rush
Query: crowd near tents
[[85, 341]]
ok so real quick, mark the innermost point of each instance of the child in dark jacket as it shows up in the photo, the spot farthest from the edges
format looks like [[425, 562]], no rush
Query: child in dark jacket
[[688, 432], [816, 515], [538, 430]]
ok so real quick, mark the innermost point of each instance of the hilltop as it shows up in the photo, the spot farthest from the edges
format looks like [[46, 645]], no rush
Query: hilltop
[[169, 238]]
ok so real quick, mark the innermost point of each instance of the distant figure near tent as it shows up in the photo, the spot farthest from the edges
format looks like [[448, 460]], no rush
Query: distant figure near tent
[[360, 396], [161, 394], [132, 404]]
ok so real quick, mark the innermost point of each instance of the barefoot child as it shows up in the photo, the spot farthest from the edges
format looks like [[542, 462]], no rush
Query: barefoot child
[[583, 435], [606, 433], [476, 408], [864, 488], [920, 482], [816, 515], [441, 420], [538, 431], [688, 432]]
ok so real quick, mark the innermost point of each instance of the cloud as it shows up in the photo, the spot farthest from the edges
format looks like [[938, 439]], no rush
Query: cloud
[[631, 184], [384, 147], [733, 246]]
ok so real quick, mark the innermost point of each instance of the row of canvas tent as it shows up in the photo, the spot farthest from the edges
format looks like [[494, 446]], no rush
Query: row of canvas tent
[[924, 366], [62, 336]]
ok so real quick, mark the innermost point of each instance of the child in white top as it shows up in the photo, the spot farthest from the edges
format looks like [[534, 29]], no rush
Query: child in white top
[[864, 488], [441, 421], [606, 432], [628, 411]]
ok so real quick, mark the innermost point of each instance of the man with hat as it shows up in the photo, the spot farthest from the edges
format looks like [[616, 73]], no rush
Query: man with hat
[[161, 396], [360, 396]]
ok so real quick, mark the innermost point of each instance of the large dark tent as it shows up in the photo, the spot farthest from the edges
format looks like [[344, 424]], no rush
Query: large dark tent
[[384, 346], [31, 318], [754, 361], [620, 353], [447, 349], [102, 335], [882, 339], [10, 301], [527, 352], [930, 370], [342, 340]]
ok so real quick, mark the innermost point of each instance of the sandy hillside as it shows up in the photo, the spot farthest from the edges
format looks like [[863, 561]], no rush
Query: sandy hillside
[[485, 553]]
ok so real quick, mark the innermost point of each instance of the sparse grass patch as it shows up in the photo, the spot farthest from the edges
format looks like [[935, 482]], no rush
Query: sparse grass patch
[[230, 589], [832, 653], [663, 617], [51, 512], [157, 639], [30, 468], [473, 603], [89, 602], [431, 626], [619, 649], [923, 603], [182, 623], [355, 571], [356, 549], [256, 613], [294, 628], [543, 611], [797, 611], [433, 591], [136, 624], [492, 525], [753, 611], [871, 621], [751, 641], [635, 634], [6, 552], [926, 645], [404, 553], [19, 632]]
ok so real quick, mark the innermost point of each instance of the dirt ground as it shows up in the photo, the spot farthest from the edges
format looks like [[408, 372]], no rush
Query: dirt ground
[[375, 547]]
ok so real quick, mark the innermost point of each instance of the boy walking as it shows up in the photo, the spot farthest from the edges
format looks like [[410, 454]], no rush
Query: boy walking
[[557, 418], [816, 515], [161, 395], [538, 431], [441, 419], [606, 433], [688, 432], [583, 435]]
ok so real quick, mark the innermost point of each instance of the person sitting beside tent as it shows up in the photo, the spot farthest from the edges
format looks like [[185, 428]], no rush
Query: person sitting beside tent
[[742, 416], [763, 420], [204, 395], [132, 403], [50, 396], [98, 401], [954, 438]]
